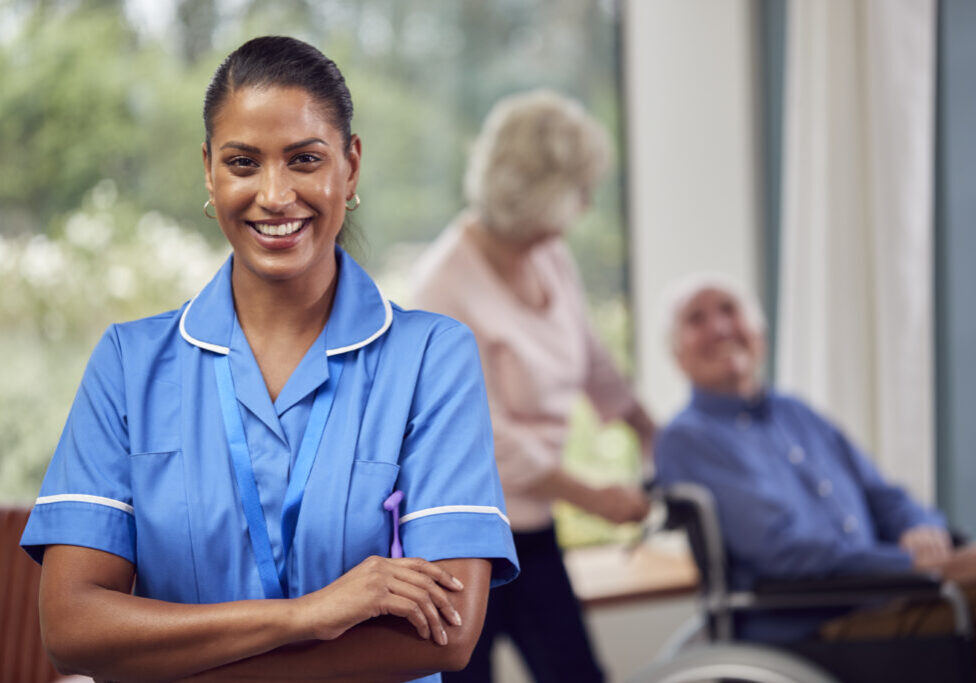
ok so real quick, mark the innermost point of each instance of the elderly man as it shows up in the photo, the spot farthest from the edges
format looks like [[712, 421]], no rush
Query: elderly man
[[796, 498]]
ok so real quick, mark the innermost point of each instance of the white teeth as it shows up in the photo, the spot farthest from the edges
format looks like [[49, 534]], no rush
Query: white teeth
[[278, 230]]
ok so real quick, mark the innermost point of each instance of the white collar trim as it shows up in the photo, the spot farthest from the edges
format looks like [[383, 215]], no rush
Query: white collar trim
[[196, 342], [216, 348], [387, 321]]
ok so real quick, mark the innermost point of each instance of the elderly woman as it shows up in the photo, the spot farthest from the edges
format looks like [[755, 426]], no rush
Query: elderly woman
[[503, 269], [225, 498]]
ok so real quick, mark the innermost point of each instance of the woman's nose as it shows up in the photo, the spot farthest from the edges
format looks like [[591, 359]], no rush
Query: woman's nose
[[276, 191]]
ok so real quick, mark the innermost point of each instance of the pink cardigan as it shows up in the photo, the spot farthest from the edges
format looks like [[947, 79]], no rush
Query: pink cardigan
[[535, 362]]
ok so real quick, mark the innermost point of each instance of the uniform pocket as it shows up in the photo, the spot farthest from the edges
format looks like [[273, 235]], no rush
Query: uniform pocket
[[164, 562], [369, 527], [160, 401]]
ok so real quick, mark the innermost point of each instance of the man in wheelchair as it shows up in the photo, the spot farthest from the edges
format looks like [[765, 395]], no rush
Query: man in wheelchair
[[795, 497]]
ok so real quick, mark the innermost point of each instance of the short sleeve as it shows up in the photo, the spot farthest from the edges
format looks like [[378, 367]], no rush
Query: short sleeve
[[608, 391], [85, 499], [453, 505]]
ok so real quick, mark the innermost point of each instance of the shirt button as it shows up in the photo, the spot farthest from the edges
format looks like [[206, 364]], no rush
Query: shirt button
[[742, 421], [850, 524], [825, 488], [797, 455]]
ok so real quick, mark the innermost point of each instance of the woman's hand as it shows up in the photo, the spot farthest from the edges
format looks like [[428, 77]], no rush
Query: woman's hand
[[619, 504], [411, 588]]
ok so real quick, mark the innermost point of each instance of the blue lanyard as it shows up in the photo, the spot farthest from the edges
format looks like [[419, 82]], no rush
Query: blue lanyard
[[273, 578]]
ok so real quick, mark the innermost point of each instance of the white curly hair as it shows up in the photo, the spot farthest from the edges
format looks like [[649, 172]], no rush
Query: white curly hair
[[534, 164]]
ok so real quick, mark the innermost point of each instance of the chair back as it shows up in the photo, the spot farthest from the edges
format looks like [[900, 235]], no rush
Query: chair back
[[22, 655]]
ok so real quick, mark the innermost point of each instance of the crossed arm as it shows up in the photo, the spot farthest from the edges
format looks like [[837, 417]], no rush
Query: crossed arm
[[384, 620]]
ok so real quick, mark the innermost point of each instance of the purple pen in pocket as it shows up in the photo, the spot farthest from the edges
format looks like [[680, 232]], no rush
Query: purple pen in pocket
[[392, 504]]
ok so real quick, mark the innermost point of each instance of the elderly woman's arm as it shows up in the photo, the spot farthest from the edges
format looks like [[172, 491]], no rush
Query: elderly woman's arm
[[91, 623], [616, 503]]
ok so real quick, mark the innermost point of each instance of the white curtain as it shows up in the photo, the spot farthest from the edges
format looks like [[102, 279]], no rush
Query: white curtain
[[856, 302]]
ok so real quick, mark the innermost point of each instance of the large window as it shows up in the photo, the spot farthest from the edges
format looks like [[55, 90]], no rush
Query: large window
[[101, 176]]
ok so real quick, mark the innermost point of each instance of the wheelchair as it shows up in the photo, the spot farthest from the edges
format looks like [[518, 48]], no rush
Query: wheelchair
[[709, 647]]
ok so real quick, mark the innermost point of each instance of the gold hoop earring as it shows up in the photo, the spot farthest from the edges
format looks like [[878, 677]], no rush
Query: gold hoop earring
[[355, 203], [205, 213]]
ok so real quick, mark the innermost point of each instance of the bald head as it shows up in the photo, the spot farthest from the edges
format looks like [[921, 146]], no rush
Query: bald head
[[717, 333]]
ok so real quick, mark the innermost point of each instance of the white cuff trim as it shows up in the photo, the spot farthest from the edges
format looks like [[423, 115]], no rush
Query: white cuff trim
[[85, 498], [446, 509]]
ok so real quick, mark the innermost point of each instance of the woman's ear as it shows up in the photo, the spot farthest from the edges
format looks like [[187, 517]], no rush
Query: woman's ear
[[207, 174], [354, 157]]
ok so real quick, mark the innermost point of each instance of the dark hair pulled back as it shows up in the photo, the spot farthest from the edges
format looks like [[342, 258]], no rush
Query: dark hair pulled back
[[280, 61]]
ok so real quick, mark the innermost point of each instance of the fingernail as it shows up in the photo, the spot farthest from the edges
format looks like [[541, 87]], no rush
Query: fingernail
[[456, 618], [457, 583], [443, 639]]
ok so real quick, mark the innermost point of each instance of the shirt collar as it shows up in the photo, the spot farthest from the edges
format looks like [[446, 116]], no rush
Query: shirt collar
[[360, 313], [730, 405]]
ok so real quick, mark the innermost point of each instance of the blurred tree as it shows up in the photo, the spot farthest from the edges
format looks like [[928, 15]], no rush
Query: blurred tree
[[62, 129], [198, 20], [83, 100]]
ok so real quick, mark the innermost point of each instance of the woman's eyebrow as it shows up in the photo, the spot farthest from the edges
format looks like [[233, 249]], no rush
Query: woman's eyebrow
[[241, 146], [304, 143]]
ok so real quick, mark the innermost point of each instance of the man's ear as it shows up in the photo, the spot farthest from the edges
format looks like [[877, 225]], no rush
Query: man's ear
[[761, 347], [680, 361]]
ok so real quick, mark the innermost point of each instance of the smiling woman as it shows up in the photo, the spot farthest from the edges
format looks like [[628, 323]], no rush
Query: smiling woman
[[279, 177], [171, 524], [279, 174]]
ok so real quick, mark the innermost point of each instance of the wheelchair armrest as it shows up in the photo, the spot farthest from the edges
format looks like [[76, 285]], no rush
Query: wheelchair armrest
[[907, 584], [849, 591], [959, 538]]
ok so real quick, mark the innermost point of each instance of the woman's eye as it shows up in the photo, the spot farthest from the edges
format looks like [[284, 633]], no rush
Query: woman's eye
[[305, 158], [241, 162]]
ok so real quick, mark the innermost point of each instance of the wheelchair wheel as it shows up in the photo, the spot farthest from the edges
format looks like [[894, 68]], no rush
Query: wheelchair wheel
[[733, 662]]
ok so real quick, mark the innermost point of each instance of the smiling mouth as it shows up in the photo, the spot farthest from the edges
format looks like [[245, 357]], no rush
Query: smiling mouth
[[279, 229]]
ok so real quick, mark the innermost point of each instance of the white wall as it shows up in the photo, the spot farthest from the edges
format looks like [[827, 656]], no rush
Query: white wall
[[692, 143]]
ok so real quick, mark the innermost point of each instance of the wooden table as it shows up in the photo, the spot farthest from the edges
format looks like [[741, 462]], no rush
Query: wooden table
[[613, 574]]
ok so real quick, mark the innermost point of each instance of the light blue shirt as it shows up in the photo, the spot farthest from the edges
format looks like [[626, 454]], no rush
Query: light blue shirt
[[143, 470], [795, 497]]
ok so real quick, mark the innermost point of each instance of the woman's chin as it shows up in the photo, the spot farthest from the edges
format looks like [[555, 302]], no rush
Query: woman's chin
[[277, 267]]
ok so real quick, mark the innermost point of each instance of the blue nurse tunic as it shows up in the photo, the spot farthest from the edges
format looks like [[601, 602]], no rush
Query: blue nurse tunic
[[143, 468]]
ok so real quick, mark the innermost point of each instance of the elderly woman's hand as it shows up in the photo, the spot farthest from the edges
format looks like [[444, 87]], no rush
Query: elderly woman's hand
[[411, 588], [619, 504]]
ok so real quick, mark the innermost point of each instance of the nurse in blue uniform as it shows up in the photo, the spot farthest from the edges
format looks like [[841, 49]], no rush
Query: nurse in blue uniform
[[238, 478]]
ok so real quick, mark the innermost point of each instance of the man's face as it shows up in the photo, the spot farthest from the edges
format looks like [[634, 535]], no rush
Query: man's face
[[716, 345]]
